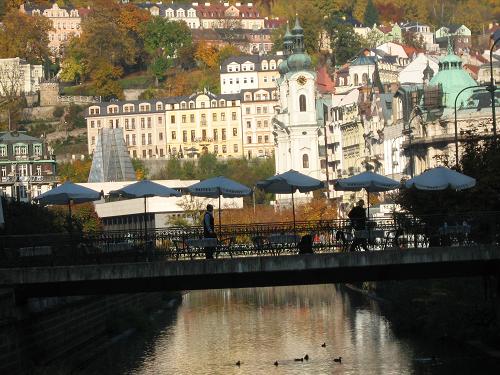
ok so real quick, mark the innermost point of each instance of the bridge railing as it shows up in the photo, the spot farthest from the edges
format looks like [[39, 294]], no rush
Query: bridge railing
[[259, 239]]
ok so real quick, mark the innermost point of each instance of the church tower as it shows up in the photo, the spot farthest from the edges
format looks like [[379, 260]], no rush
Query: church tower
[[296, 123]]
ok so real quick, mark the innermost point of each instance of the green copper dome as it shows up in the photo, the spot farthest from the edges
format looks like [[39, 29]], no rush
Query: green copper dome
[[283, 67], [299, 61], [452, 79]]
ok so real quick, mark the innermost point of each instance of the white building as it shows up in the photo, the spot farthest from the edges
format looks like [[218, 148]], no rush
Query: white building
[[249, 72], [421, 32], [18, 77], [296, 123], [175, 12]]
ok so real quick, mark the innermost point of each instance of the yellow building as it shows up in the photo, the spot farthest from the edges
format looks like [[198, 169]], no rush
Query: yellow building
[[184, 126]]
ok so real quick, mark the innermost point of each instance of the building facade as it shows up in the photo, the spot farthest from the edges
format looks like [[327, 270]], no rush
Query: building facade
[[257, 112], [183, 126], [229, 16], [239, 73], [65, 23], [175, 12], [27, 167], [18, 77]]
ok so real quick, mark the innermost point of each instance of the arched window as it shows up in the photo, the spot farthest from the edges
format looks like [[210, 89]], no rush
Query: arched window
[[356, 79], [305, 161], [365, 78], [302, 103]]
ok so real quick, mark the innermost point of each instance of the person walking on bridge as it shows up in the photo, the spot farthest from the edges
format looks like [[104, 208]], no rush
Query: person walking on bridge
[[209, 230], [358, 221]]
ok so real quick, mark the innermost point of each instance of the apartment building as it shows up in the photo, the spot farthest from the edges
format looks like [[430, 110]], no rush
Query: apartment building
[[184, 126], [27, 167], [229, 16], [18, 77], [175, 12], [65, 23], [257, 112], [239, 73]]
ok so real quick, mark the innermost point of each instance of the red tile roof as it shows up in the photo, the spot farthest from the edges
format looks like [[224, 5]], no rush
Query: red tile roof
[[324, 83]]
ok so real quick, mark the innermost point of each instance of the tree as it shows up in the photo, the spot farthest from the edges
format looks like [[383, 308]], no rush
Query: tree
[[207, 55], [77, 171], [25, 37], [162, 40], [104, 78], [141, 172], [371, 14], [72, 70], [345, 43]]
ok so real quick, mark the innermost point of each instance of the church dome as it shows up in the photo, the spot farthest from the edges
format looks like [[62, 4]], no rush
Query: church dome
[[452, 79], [283, 67], [299, 61]]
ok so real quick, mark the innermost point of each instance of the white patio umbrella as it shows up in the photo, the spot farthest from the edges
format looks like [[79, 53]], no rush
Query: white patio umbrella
[[145, 189], [441, 178], [216, 187], [288, 183], [370, 181], [66, 193]]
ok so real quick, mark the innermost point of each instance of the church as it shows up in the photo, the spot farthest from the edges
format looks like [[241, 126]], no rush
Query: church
[[295, 124]]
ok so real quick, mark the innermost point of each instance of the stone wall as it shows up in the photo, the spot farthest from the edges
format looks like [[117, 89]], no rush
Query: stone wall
[[40, 338]]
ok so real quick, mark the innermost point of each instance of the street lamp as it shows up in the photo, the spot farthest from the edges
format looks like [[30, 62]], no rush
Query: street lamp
[[492, 89], [456, 122], [416, 112], [393, 162]]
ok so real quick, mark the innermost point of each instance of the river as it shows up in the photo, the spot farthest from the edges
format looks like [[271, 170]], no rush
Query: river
[[211, 330]]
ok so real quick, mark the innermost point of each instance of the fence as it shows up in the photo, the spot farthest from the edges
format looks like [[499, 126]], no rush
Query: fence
[[269, 239]]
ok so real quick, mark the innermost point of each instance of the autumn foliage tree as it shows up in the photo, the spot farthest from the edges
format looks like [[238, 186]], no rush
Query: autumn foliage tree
[[24, 36]]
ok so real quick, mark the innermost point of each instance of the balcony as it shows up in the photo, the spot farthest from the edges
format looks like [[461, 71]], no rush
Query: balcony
[[7, 180]]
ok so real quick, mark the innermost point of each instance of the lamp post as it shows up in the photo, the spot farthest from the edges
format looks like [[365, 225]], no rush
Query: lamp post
[[393, 162], [456, 121], [492, 89], [416, 112]]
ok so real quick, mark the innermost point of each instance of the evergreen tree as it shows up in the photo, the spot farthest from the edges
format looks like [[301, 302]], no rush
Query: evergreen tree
[[344, 42], [371, 14]]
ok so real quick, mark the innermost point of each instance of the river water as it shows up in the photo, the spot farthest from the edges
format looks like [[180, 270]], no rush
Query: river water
[[211, 330]]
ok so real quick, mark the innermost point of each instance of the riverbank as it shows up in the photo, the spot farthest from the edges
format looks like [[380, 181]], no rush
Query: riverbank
[[461, 309], [70, 333]]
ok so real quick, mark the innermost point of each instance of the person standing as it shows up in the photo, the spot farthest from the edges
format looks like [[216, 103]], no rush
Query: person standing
[[358, 221], [209, 230]]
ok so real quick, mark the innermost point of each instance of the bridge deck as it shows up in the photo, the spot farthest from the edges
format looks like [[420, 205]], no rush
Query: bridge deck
[[253, 271]]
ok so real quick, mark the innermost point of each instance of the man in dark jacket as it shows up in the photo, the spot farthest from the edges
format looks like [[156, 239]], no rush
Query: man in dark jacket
[[209, 230], [358, 222]]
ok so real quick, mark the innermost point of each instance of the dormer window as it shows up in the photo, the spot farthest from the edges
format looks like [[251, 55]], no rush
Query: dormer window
[[214, 103], [191, 105], [20, 149], [37, 149], [3, 150]]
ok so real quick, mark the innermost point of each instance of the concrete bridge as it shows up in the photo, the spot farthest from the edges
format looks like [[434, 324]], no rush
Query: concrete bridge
[[252, 271]]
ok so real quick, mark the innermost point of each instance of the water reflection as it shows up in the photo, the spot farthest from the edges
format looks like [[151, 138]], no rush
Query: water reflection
[[214, 329]]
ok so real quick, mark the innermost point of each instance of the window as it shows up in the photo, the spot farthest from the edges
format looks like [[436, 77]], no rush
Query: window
[[259, 139], [305, 161], [143, 139], [39, 170], [172, 119], [161, 152], [144, 154], [183, 119], [160, 136], [150, 139], [134, 153], [3, 150], [127, 140], [133, 142], [233, 116], [126, 124], [92, 141], [216, 149], [20, 150], [235, 148], [204, 135], [266, 123], [37, 149], [191, 105], [191, 118], [302, 103], [259, 124], [249, 139], [216, 135], [214, 116], [173, 135], [223, 134], [264, 109], [193, 135], [142, 122], [91, 124], [258, 110], [266, 139], [160, 120], [223, 116], [183, 105], [356, 79], [224, 149], [235, 132], [133, 123], [247, 110], [249, 124], [184, 136], [149, 122]]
